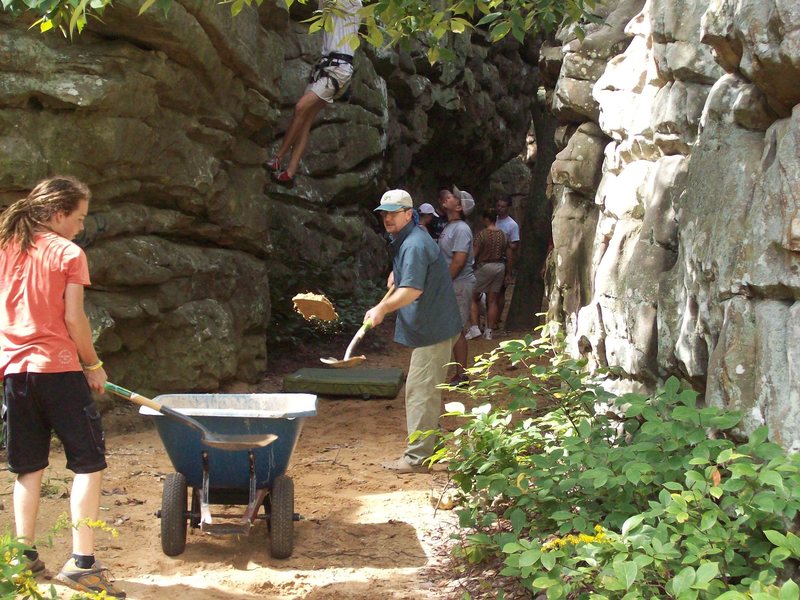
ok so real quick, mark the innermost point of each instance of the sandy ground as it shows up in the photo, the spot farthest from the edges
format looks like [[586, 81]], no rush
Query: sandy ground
[[366, 533]]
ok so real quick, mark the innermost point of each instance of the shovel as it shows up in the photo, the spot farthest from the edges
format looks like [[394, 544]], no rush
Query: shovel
[[215, 440], [349, 360]]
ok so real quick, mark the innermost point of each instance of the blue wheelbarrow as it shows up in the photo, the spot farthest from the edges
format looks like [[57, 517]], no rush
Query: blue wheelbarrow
[[234, 451]]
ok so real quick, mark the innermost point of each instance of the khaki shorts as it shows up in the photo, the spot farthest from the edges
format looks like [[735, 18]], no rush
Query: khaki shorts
[[489, 277], [463, 291], [325, 88]]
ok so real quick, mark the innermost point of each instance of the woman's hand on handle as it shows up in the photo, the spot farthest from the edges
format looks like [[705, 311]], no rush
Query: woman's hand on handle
[[97, 379]]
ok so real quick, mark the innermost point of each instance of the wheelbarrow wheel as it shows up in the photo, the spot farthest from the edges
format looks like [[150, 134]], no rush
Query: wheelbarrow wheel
[[173, 515], [281, 519]]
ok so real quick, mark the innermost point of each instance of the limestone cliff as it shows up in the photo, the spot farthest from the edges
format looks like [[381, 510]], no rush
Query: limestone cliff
[[677, 200]]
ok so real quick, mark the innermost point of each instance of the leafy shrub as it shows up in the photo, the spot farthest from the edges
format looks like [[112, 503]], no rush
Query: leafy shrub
[[588, 495]]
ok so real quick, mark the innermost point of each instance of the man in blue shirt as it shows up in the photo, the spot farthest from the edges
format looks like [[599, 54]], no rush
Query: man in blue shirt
[[427, 321]]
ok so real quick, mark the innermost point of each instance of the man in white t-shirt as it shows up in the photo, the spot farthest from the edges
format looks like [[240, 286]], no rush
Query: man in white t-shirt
[[329, 80], [508, 226]]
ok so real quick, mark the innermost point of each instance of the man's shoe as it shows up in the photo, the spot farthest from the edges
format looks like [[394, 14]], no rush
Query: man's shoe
[[487, 334], [92, 580], [401, 465], [473, 332], [283, 178], [273, 164], [459, 380], [35, 566]]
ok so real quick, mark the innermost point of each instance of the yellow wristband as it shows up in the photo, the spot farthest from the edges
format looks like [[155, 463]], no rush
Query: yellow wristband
[[93, 367]]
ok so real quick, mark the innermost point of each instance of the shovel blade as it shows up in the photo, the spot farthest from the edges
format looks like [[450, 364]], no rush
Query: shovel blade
[[344, 363]]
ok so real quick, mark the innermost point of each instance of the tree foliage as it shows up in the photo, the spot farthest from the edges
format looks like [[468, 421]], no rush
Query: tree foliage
[[386, 22]]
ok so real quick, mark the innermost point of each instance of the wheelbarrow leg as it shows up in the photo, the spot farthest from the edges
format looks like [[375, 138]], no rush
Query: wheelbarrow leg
[[205, 507], [255, 500], [256, 496]]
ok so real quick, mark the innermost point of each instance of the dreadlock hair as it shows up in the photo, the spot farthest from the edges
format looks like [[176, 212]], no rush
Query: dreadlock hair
[[59, 194]]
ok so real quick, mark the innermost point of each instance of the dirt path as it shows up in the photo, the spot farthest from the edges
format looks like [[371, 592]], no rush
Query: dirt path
[[366, 533]]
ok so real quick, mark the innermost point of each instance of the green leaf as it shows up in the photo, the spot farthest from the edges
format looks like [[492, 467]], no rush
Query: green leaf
[[545, 582], [561, 515], [499, 30], [758, 436], [79, 13], [708, 520], [793, 542], [776, 538], [671, 386], [706, 572], [529, 557], [772, 478], [686, 414], [683, 581], [600, 479], [724, 456], [512, 547], [490, 18], [778, 555], [458, 25], [146, 5], [518, 519], [626, 571], [790, 591], [632, 523], [726, 420]]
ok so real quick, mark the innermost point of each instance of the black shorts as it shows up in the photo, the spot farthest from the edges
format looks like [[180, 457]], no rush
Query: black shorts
[[39, 404]]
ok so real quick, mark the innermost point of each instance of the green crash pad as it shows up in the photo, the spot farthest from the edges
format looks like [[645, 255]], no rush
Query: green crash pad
[[364, 383]]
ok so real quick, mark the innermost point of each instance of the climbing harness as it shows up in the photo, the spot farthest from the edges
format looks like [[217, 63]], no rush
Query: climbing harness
[[320, 70]]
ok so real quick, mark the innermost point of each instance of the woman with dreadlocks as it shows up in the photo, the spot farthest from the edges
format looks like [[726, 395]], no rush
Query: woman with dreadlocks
[[49, 368]]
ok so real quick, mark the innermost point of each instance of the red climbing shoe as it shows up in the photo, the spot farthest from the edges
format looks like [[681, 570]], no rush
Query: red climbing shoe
[[273, 164], [283, 178]]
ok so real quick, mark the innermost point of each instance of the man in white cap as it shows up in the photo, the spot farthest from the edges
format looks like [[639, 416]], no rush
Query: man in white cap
[[456, 245], [427, 321], [428, 218]]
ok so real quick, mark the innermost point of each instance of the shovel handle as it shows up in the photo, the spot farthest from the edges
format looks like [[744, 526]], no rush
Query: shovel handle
[[388, 293], [132, 396], [367, 324]]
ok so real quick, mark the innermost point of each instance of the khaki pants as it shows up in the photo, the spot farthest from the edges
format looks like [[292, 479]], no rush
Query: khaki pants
[[427, 369]]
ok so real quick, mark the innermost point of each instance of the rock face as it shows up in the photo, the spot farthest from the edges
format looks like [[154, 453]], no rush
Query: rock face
[[169, 118], [677, 251]]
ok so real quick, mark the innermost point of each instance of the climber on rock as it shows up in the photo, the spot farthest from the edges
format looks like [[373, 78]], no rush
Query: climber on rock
[[329, 80]]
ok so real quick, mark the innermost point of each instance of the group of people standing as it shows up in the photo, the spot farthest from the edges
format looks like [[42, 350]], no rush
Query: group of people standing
[[494, 250], [439, 270]]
